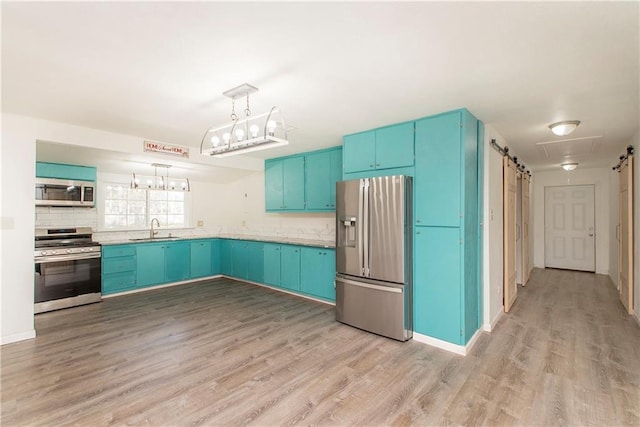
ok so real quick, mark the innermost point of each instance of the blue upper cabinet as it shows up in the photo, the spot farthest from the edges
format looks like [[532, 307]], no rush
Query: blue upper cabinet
[[304, 182], [438, 170], [385, 148], [359, 151], [273, 185], [322, 170], [293, 186], [62, 171], [284, 184]]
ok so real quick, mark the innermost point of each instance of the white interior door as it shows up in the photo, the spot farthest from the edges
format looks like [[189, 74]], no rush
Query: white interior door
[[625, 234], [569, 224], [509, 184]]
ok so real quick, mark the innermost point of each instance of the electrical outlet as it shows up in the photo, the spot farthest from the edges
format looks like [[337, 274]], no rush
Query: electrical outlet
[[244, 223], [200, 223]]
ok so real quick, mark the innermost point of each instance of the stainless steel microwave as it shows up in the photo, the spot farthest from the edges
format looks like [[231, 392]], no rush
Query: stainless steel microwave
[[64, 192]]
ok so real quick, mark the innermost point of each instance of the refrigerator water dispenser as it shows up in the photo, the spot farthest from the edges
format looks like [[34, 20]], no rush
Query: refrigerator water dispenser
[[347, 235]]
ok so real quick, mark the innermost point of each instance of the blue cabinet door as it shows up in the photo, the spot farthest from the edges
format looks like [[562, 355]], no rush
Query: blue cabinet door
[[317, 272], [150, 264], [201, 258], [226, 257], [359, 152], [177, 257], [273, 185], [290, 267], [215, 256], [317, 176], [255, 257], [394, 146], [293, 183], [240, 261], [58, 170], [436, 283], [438, 174], [272, 255], [335, 175]]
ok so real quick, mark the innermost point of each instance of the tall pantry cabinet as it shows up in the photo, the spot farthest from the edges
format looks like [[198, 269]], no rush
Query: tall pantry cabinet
[[447, 226]]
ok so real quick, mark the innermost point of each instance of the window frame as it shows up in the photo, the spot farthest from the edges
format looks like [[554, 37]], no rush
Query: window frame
[[102, 209]]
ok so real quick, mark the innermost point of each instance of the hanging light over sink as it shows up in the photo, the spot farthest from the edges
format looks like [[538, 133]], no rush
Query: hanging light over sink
[[160, 181]]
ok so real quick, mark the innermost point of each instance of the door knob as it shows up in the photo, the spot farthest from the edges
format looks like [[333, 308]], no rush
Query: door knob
[[590, 235]]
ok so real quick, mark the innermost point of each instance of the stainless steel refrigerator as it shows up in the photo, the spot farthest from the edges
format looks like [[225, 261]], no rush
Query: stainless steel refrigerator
[[374, 256]]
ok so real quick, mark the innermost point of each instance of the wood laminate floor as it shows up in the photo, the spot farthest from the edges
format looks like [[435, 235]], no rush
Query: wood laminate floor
[[224, 352]]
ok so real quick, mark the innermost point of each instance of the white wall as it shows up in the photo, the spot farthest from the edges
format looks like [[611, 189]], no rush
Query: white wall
[[493, 269], [599, 177], [17, 230]]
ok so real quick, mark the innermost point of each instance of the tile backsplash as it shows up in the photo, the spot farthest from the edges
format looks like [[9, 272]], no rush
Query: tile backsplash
[[47, 217], [296, 227]]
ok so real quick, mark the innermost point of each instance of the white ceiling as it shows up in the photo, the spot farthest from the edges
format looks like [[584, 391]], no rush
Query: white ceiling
[[158, 70]]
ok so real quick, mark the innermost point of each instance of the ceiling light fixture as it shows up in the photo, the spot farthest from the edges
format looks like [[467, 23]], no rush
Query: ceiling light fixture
[[564, 128], [160, 182], [569, 166], [242, 136]]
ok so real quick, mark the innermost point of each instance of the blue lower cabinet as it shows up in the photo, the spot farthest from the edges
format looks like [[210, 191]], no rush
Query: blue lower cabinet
[[226, 257], [215, 256], [177, 261], [150, 264], [290, 267], [436, 293], [239, 259], [317, 272], [201, 258], [118, 268], [255, 259], [272, 256]]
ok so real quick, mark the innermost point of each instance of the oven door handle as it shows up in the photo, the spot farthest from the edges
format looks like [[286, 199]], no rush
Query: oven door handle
[[69, 257]]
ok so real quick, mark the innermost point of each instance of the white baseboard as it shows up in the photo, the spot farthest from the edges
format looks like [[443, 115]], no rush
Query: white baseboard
[[283, 291], [18, 337], [462, 350], [166, 285], [490, 327]]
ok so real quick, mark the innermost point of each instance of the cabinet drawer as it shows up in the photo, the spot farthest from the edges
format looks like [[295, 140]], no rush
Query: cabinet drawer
[[118, 251], [118, 282], [118, 265]]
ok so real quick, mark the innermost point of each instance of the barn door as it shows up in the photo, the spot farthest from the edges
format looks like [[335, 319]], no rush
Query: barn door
[[626, 234], [526, 268], [509, 186]]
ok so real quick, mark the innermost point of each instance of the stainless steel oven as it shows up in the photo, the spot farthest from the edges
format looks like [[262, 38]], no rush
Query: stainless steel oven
[[67, 269]]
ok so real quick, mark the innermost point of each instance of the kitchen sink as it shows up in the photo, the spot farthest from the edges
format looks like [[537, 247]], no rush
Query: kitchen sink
[[154, 239]]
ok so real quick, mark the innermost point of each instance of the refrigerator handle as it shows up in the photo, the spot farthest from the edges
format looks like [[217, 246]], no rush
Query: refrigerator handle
[[365, 225]]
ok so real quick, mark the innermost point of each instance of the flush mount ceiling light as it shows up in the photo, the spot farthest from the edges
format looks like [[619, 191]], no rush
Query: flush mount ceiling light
[[252, 133], [564, 128], [569, 166], [160, 181]]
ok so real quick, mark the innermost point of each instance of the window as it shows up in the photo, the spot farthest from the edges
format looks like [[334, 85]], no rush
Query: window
[[125, 207]]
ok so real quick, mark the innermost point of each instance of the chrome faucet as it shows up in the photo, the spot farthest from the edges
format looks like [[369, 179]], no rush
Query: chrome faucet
[[151, 232]]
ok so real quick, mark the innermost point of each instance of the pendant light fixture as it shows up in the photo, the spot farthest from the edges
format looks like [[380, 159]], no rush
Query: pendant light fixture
[[564, 128], [160, 181], [252, 133]]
